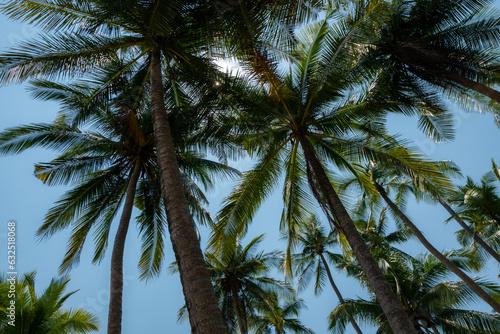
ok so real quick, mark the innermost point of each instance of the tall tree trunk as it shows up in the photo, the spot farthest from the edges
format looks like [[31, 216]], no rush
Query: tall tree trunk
[[450, 265], [419, 57], [204, 314], [241, 321], [116, 281], [470, 232], [337, 292], [471, 84], [396, 315]]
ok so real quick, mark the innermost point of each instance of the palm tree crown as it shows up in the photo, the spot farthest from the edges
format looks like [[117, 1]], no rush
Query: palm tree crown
[[43, 313], [447, 44], [433, 304], [242, 282]]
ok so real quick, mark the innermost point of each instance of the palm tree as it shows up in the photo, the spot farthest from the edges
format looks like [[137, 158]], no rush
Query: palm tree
[[448, 167], [279, 318], [298, 122], [378, 175], [477, 237], [372, 223], [86, 34], [242, 283], [311, 261], [403, 186], [117, 141], [478, 205], [446, 44], [481, 199], [43, 313], [433, 304]]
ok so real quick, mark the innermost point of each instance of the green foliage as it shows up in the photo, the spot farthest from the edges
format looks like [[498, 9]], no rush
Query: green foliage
[[280, 318], [429, 300], [314, 242], [242, 282], [43, 313], [101, 138], [320, 99], [478, 205], [429, 50]]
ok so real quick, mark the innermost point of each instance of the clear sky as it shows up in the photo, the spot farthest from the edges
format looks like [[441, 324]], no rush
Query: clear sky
[[152, 307]]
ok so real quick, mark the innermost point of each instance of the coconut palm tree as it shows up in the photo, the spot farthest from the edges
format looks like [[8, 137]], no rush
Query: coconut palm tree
[[482, 199], [478, 205], [378, 176], [447, 44], [471, 234], [278, 318], [312, 261], [433, 304], [242, 282], [302, 119], [372, 223], [43, 313], [402, 186], [112, 158], [84, 35]]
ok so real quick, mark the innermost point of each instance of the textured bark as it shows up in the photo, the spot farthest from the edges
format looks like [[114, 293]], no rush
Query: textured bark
[[450, 265], [396, 315], [204, 314], [337, 292], [470, 232], [116, 282]]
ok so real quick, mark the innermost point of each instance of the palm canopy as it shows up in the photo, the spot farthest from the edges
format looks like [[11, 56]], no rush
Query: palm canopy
[[43, 312], [280, 318], [422, 48], [100, 146], [242, 283], [81, 36], [84, 35], [373, 225], [434, 304], [477, 204], [478, 199], [314, 111], [317, 96], [314, 258], [314, 243]]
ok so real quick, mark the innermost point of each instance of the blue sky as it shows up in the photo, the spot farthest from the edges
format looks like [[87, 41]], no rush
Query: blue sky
[[152, 307]]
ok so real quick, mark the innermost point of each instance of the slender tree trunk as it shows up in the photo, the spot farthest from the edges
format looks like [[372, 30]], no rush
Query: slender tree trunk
[[419, 57], [241, 322], [396, 315], [467, 229], [337, 292], [204, 314], [464, 277], [116, 282], [473, 85]]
